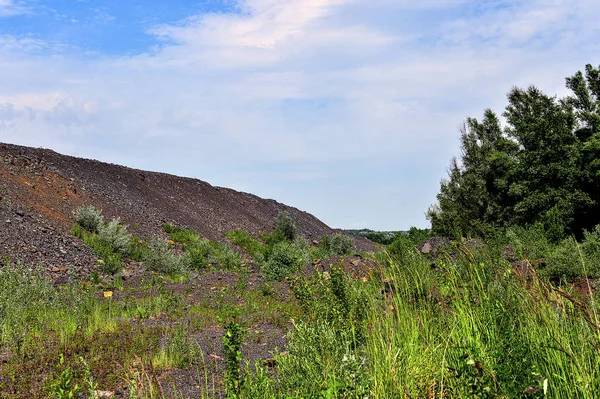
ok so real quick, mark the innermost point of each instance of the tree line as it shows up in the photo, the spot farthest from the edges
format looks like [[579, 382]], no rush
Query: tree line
[[540, 167]]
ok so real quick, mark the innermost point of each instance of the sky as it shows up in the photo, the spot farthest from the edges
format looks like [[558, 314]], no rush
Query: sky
[[347, 109]]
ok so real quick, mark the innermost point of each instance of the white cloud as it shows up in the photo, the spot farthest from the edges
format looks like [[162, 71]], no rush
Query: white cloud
[[311, 83], [10, 7]]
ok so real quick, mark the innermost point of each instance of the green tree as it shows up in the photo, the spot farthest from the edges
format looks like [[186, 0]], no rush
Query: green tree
[[547, 188], [542, 167]]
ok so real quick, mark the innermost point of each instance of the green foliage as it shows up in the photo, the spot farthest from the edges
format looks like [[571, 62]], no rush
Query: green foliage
[[115, 236], [337, 244], [111, 258], [224, 256], [201, 253], [63, 386], [286, 258], [138, 249], [541, 168], [328, 347], [319, 361], [251, 245], [285, 227], [380, 237], [109, 240], [180, 351], [163, 259], [232, 344], [89, 218]]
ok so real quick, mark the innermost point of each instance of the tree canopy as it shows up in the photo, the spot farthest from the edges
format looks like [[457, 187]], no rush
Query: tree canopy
[[541, 167]]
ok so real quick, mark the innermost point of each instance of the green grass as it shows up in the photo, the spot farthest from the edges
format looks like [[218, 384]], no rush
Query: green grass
[[465, 326], [202, 253], [468, 328]]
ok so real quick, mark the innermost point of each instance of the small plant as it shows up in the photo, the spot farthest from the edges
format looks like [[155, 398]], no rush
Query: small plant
[[138, 249], [266, 289], [179, 350], [232, 343], [63, 386], [89, 218], [92, 384], [77, 231], [95, 277]]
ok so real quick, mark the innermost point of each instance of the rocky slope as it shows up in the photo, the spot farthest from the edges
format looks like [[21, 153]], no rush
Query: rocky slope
[[41, 189]]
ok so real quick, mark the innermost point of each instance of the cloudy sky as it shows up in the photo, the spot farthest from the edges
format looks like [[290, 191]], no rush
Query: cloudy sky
[[348, 109]]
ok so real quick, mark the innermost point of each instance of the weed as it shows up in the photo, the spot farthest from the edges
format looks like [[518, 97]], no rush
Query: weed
[[63, 386], [232, 343]]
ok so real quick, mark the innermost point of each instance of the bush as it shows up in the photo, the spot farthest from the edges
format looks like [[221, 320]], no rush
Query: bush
[[591, 250], [285, 226], [224, 255], [338, 244], [114, 235], [89, 218], [286, 258], [162, 259]]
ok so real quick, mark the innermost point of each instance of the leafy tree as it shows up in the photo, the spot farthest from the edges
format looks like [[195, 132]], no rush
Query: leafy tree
[[547, 188], [542, 167]]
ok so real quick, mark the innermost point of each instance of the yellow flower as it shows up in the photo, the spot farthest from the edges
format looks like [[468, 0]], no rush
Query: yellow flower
[[100, 261], [108, 294]]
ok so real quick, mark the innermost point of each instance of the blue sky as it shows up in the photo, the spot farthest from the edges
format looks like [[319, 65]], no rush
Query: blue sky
[[348, 109]]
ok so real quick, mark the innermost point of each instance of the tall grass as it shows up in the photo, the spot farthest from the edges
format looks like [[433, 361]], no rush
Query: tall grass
[[468, 327], [475, 329]]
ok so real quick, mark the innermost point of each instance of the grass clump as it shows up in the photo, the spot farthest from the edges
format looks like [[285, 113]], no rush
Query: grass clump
[[251, 245]]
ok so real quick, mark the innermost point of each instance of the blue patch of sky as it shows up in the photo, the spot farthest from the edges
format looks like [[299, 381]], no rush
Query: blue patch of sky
[[106, 27]]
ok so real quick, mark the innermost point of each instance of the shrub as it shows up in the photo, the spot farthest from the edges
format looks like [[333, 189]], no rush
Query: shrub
[[162, 259], [285, 226], [89, 218], [198, 253], [591, 250], [114, 235], [286, 258], [338, 244], [224, 255]]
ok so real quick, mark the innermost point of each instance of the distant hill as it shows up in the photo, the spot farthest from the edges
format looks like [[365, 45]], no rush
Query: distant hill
[[41, 189]]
